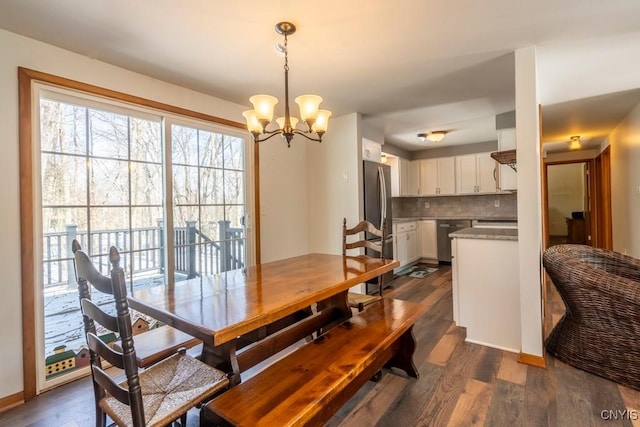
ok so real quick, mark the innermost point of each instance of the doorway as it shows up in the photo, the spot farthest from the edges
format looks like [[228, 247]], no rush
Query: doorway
[[569, 200], [578, 202]]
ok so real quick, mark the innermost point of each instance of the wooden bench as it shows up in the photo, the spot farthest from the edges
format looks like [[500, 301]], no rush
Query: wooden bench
[[309, 385]]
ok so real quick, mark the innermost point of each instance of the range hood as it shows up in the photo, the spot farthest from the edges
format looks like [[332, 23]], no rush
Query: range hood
[[507, 157]]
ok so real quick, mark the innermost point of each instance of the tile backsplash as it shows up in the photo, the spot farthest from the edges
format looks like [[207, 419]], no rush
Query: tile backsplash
[[467, 207]]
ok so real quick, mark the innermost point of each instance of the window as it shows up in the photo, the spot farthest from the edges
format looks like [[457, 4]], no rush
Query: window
[[168, 191], [208, 200]]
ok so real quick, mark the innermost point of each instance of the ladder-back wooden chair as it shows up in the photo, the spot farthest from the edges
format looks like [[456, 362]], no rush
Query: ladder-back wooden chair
[[356, 300], [160, 394], [151, 346]]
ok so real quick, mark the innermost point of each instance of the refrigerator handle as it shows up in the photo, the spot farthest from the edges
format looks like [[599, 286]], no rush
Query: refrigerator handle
[[383, 196]]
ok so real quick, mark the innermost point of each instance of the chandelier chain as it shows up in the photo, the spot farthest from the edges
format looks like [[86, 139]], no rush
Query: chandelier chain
[[286, 54]]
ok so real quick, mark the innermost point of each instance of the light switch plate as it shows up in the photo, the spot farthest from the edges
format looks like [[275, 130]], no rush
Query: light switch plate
[[496, 203], [426, 205]]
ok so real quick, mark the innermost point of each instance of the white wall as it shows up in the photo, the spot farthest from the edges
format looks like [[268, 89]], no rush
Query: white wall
[[334, 183], [20, 51], [583, 68], [283, 198], [625, 184]]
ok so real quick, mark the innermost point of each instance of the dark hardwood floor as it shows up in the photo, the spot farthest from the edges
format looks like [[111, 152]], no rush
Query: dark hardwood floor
[[460, 384]]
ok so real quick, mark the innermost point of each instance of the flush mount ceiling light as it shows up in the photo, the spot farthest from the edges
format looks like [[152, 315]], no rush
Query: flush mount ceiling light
[[574, 144], [435, 136], [260, 117]]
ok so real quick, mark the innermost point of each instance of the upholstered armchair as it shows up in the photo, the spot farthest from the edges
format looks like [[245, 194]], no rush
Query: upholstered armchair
[[600, 330]]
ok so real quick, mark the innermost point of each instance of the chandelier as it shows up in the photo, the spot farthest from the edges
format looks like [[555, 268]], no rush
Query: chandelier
[[314, 119]]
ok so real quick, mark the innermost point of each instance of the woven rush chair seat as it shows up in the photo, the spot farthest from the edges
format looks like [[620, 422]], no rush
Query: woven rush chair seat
[[600, 330], [172, 386]]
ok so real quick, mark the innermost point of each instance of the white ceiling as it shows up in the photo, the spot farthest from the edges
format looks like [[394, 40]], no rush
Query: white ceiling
[[408, 66]]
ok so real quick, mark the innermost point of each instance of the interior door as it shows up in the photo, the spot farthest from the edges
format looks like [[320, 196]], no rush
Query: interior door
[[601, 217]]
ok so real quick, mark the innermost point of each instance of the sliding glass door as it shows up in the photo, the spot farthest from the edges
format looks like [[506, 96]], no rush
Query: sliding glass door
[[168, 193]]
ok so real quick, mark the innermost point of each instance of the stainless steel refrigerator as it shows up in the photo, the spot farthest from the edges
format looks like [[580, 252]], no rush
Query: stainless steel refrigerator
[[377, 209]]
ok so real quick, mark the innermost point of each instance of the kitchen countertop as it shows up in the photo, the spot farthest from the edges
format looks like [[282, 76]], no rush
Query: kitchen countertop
[[486, 233], [408, 219]]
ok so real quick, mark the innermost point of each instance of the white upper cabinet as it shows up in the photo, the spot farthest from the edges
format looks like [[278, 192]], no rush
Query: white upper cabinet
[[394, 164], [413, 178], [475, 173], [466, 174], [429, 177], [437, 176], [447, 175], [507, 177], [371, 151], [487, 173], [405, 177]]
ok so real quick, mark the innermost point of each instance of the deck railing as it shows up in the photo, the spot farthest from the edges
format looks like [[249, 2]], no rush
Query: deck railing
[[195, 254]]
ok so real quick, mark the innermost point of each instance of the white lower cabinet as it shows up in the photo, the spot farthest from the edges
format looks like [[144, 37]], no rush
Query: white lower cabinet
[[405, 242]]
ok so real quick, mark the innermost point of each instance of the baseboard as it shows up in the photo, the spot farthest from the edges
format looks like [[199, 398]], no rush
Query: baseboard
[[11, 401], [532, 360], [484, 344]]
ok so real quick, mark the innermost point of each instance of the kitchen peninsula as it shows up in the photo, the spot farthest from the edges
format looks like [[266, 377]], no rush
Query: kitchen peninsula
[[486, 292]]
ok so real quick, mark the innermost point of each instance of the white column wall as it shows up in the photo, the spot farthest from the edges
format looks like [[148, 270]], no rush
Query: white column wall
[[529, 205], [283, 198], [334, 170]]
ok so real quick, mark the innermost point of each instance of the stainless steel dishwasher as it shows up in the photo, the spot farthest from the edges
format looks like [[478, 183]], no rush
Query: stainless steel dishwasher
[[444, 242]]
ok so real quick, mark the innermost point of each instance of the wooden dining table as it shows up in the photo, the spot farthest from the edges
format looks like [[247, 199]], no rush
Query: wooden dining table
[[244, 316]]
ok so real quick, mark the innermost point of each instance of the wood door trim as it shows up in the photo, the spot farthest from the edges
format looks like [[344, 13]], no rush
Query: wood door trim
[[29, 376], [26, 78], [606, 226], [532, 360]]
